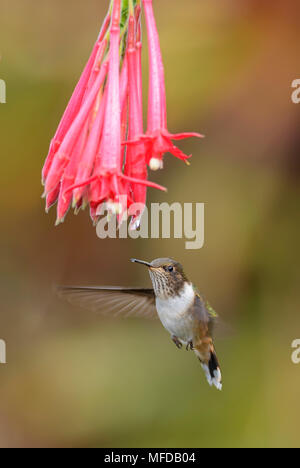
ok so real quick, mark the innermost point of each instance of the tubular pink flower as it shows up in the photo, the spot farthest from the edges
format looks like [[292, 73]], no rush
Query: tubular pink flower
[[110, 147], [76, 98], [124, 125], [64, 199], [62, 157], [124, 84], [158, 139], [108, 183], [69, 114], [94, 190], [85, 158], [51, 198], [138, 46], [135, 159], [89, 160], [111, 138], [86, 164]]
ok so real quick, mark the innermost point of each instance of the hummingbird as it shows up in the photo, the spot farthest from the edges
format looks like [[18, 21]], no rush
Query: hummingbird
[[183, 312]]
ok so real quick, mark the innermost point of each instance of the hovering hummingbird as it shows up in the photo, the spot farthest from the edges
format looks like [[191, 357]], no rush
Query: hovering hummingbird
[[181, 309]]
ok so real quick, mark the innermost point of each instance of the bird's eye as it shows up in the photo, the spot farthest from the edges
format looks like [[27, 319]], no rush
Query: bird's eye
[[170, 269]]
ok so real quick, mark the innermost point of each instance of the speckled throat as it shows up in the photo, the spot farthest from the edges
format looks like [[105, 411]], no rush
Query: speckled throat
[[166, 286]]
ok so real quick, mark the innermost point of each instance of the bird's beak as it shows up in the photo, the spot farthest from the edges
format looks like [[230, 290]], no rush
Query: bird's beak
[[134, 260]]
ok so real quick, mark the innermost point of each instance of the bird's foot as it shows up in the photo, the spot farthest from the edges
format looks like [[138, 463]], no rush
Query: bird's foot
[[177, 342], [189, 346]]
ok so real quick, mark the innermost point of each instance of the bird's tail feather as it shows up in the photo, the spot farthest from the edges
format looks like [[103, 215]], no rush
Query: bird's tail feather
[[212, 369]]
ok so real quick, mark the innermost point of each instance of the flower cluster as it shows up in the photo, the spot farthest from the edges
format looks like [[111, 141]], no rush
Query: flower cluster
[[100, 152]]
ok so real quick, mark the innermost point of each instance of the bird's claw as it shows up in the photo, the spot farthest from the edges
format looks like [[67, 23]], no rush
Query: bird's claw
[[177, 342], [189, 346]]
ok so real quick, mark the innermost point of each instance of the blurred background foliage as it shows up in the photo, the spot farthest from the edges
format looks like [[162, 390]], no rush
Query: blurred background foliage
[[76, 379]]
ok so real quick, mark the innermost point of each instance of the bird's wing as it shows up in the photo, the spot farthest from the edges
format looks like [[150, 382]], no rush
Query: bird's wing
[[114, 301], [208, 317], [205, 314], [204, 303]]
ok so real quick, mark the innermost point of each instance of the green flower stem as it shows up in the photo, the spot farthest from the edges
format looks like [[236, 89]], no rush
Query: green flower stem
[[128, 7]]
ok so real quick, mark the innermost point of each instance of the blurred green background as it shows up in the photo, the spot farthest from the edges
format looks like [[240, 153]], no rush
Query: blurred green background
[[76, 379]]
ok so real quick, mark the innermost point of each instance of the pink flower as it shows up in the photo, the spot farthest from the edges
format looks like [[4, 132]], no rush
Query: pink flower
[[89, 160], [158, 140], [63, 153], [76, 99], [108, 183], [86, 164], [136, 165]]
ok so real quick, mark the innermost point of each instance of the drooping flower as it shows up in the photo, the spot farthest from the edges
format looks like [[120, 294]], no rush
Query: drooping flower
[[136, 165], [99, 153], [63, 154], [76, 98], [158, 140], [108, 183]]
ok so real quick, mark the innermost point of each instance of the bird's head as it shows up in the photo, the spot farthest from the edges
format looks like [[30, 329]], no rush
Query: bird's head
[[167, 275]]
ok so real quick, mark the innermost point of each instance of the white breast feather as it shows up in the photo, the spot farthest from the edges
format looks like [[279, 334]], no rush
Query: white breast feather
[[173, 314]]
